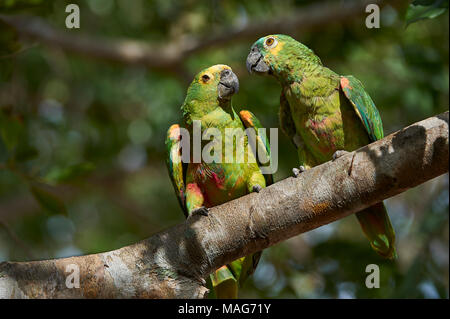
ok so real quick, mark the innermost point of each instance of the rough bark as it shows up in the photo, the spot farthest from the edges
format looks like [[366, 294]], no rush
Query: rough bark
[[172, 263]]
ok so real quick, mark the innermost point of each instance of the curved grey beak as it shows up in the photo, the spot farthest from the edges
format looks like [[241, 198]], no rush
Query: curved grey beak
[[228, 84], [255, 62]]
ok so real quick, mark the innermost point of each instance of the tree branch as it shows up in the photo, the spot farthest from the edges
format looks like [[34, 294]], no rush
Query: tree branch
[[172, 263], [171, 57]]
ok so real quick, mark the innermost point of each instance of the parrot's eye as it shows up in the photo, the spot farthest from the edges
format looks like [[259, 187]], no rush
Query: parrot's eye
[[270, 43], [205, 78]]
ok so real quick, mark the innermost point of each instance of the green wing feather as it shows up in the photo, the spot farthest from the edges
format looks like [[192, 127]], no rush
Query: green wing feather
[[374, 220], [224, 283], [245, 266], [177, 169], [251, 121], [364, 106]]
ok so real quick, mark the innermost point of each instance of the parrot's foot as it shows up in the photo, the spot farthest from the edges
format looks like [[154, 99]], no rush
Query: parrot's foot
[[256, 188], [202, 211], [339, 153], [296, 171]]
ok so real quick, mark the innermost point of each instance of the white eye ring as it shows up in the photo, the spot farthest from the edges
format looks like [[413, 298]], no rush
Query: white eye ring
[[272, 45]]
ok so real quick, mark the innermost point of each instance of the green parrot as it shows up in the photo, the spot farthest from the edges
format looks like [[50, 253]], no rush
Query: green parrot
[[325, 115], [201, 185]]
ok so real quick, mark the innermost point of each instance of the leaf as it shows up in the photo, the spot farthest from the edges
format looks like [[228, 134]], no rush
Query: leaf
[[48, 201], [427, 9], [69, 173]]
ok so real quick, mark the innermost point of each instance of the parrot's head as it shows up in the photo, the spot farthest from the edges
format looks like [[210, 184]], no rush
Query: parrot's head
[[211, 88], [216, 83], [278, 55]]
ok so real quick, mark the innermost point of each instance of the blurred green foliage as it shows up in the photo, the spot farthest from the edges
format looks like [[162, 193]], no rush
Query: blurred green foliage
[[82, 140], [425, 9]]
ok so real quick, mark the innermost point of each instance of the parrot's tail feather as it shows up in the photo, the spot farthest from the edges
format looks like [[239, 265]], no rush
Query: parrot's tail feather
[[224, 283], [377, 227], [249, 266]]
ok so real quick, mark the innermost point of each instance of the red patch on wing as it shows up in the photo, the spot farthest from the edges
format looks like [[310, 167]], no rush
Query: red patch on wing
[[219, 181], [200, 171], [345, 83], [246, 116], [174, 132]]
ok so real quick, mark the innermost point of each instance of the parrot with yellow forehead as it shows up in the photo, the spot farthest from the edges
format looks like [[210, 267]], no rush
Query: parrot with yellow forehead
[[208, 183], [325, 115]]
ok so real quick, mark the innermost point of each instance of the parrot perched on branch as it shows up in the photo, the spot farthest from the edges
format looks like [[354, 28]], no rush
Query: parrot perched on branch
[[325, 115], [201, 185]]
